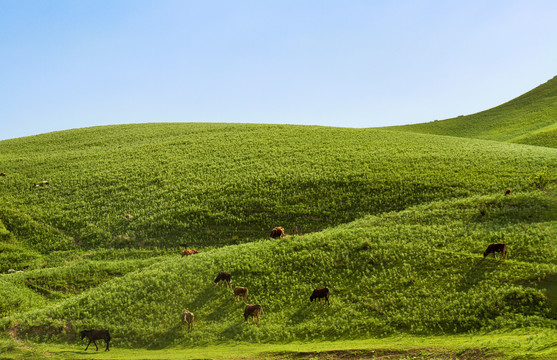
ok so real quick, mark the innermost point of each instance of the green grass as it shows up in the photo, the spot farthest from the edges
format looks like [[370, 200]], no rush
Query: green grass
[[528, 119], [393, 222], [418, 271], [522, 344], [217, 184]]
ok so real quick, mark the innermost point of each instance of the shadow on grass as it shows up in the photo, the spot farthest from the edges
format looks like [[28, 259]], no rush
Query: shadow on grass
[[304, 313], [80, 354], [479, 270]]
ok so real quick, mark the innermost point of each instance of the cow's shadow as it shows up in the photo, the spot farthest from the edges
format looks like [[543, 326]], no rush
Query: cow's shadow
[[479, 270], [305, 312]]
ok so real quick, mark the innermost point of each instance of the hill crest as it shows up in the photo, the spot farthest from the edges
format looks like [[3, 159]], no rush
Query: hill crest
[[528, 119]]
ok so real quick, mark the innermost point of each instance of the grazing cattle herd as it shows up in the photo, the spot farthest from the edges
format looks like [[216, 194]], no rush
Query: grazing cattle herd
[[251, 310]]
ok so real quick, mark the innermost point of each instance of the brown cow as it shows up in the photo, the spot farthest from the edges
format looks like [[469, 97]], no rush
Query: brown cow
[[319, 294], [253, 310], [508, 192], [496, 248], [187, 317], [225, 278], [241, 291], [189, 252], [277, 232]]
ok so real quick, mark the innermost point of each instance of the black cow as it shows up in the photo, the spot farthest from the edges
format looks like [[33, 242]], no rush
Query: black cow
[[94, 335], [319, 294], [496, 248], [225, 278]]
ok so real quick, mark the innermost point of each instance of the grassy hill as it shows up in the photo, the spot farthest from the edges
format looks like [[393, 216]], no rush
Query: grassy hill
[[393, 222], [217, 184], [417, 271], [529, 119]]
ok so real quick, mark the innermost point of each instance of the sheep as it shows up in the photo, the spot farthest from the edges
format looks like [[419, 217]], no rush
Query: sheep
[[224, 278], [240, 291], [187, 317], [496, 247], [253, 310], [277, 232], [319, 294], [94, 335]]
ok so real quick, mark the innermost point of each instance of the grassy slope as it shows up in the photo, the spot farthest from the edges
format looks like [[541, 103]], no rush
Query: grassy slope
[[418, 271], [413, 266], [528, 119], [217, 184]]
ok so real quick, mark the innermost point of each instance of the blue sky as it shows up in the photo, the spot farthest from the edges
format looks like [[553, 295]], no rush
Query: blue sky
[[72, 64]]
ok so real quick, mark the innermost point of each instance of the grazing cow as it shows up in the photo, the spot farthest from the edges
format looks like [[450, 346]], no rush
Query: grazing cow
[[26, 267], [240, 291], [11, 271], [42, 183], [277, 232], [224, 278], [94, 335], [189, 252], [496, 248], [508, 192], [319, 294], [2, 174], [253, 310], [187, 317]]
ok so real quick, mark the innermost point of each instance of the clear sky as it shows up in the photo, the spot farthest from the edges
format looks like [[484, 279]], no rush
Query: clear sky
[[349, 63]]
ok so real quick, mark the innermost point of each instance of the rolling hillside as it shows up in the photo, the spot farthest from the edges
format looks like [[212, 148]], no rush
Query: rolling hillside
[[528, 119], [394, 223], [418, 271], [214, 185]]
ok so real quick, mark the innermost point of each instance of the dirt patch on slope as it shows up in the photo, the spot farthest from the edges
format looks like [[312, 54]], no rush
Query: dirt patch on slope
[[388, 354]]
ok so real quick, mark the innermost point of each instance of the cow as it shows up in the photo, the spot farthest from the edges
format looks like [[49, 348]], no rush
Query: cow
[[277, 232], [187, 317], [240, 291], [225, 278], [319, 294], [508, 192], [2, 174], [253, 310], [94, 335], [41, 184], [187, 252], [496, 248]]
